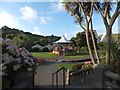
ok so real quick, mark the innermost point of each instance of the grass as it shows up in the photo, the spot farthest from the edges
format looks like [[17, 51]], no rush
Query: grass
[[66, 65], [43, 55], [77, 57], [80, 55]]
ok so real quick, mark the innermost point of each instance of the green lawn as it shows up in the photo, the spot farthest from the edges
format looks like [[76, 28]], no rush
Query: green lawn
[[48, 55], [78, 56], [66, 65], [43, 55]]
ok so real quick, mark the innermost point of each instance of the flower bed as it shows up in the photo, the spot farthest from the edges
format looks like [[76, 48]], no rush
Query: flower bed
[[40, 60]]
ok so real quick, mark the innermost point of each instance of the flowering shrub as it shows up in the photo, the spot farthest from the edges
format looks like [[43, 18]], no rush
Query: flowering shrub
[[15, 60]]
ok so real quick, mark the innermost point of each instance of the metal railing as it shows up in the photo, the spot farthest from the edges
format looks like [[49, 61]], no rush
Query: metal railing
[[56, 74]]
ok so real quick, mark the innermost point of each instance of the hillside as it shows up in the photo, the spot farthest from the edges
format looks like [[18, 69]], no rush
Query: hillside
[[27, 39]]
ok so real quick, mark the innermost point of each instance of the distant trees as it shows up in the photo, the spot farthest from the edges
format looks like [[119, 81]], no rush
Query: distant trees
[[20, 40], [26, 39], [80, 40]]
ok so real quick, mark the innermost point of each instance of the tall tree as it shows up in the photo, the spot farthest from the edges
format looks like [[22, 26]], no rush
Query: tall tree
[[108, 19], [83, 12]]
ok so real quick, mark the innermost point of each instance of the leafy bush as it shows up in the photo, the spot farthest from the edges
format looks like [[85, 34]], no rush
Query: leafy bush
[[77, 66], [84, 48], [35, 50], [114, 54], [70, 52]]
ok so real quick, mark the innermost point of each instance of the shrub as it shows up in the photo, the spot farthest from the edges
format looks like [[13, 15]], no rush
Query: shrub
[[35, 50], [84, 48], [114, 55], [77, 66]]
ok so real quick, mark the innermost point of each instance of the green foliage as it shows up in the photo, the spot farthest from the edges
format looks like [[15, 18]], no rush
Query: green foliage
[[35, 50], [84, 49], [70, 52], [26, 39], [80, 41], [114, 54], [85, 66], [77, 66]]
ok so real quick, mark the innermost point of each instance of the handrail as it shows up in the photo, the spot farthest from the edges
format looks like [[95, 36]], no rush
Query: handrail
[[58, 70], [81, 71], [56, 73], [112, 75], [112, 80]]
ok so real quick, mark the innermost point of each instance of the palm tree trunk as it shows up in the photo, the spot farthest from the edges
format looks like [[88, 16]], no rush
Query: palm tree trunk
[[95, 48], [108, 37], [94, 44], [89, 47]]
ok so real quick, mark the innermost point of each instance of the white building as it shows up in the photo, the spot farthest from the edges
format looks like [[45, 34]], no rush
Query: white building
[[63, 39], [103, 38], [38, 46]]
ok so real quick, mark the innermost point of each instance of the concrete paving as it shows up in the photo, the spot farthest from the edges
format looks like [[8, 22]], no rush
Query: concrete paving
[[44, 74]]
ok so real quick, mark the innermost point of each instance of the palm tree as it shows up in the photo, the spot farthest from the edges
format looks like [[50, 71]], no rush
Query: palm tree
[[108, 19], [83, 13]]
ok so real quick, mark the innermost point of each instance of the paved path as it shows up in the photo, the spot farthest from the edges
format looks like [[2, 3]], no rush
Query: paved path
[[44, 71]]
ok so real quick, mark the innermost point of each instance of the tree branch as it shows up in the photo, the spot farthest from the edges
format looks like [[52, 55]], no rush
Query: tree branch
[[83, 11], [112, 20], [104, 18], [98, 10], [91, 12], [78, 21], [106, 10]]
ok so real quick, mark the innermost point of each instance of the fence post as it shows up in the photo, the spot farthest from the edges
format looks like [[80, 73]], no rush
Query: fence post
[[52, 80], [64, 77], [56, 80]]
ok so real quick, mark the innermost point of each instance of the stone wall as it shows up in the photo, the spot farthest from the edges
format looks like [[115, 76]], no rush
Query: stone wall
[[24, 80]]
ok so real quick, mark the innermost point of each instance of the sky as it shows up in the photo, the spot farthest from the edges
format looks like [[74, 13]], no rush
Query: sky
[[45, 18]]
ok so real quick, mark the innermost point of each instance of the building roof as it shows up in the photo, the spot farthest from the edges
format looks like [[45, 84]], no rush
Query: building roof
[[37, 46], [103, 38], [63, 40]]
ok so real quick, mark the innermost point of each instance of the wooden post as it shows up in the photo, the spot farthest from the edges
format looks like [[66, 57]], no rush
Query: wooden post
[[52, 80], [64, 77], [33, 80], [56, 80]]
